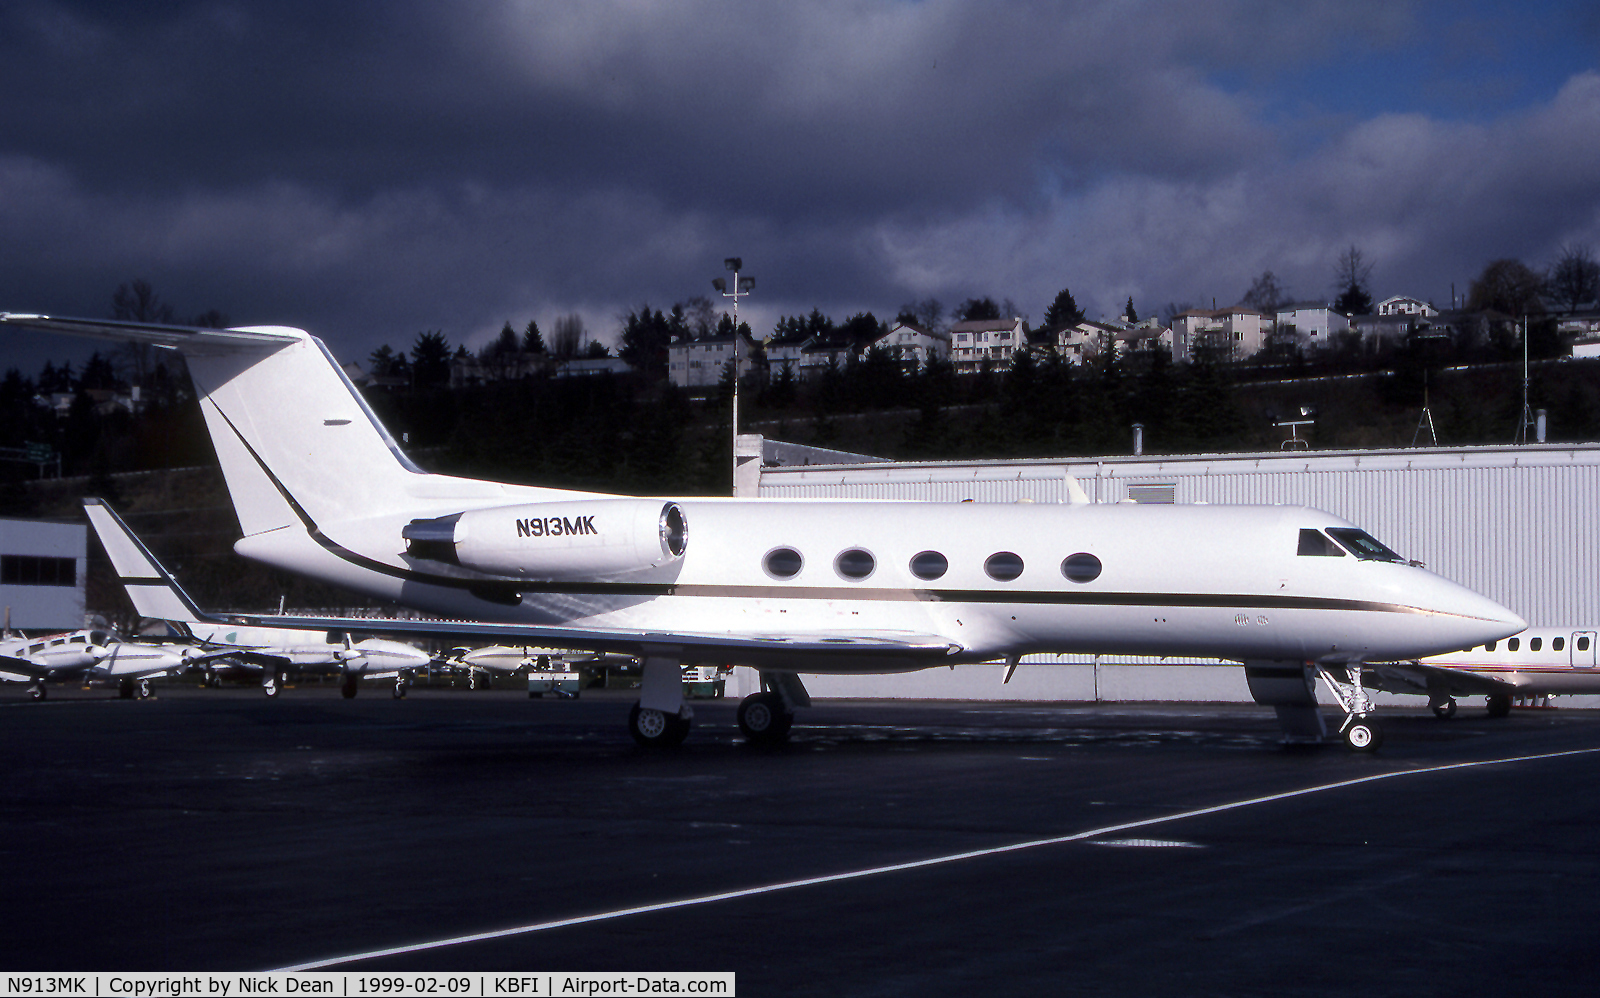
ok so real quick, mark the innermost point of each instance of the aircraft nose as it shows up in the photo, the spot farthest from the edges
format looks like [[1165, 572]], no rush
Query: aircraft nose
[[1481, 618]]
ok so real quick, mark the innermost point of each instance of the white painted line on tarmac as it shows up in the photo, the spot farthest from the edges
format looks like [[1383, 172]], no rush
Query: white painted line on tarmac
[[876, 871]]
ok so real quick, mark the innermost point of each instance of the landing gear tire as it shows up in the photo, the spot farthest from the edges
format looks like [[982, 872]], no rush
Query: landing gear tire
[[37, 692], [657, 729], [1361, 735], [1499, 706], [143, 689], [399, 689], [763, 719], [269, 684], [349, 687], [1444, 711]]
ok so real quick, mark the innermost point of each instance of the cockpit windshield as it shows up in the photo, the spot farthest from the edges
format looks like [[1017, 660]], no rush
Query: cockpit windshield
[[1362, 544]]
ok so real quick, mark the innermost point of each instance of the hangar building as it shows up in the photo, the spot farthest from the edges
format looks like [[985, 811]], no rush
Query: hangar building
[[42, 569], [1520, 524]]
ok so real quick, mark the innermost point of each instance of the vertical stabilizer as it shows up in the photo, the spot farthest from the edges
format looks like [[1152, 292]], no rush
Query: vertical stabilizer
[[154, 593]]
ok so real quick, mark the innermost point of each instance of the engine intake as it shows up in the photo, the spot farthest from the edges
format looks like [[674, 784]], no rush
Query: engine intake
[[598, 539]]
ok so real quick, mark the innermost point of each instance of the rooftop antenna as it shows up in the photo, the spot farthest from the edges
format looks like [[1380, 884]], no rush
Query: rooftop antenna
[[1525, 421], [741, 286]]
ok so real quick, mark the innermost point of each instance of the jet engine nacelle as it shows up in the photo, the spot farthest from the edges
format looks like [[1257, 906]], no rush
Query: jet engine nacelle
[[586, 539]]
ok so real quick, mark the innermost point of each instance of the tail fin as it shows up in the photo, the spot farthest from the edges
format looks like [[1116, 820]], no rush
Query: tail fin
[[154, 592], [296, 441]]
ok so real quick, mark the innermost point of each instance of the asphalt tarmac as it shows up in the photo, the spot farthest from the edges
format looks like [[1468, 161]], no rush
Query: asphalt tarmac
[[891, 849]]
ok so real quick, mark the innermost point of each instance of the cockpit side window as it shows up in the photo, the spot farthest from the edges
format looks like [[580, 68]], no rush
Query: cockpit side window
[[1313, 543], [1362, 544]]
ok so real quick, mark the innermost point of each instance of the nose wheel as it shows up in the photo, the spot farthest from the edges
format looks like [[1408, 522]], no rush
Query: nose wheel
[[1359, 732]]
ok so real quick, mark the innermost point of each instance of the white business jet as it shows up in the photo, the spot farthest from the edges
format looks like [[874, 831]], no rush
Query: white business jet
[[87, 656], [1538, 662], [788, 586], [157, 596]]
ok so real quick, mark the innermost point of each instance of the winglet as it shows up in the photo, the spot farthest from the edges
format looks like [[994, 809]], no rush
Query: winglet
[[155, 594]]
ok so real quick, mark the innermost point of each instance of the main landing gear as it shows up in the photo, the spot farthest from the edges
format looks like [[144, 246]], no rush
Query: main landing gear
[[765, 719], [127, 689], [271, 682], [1444, 709], [351, 685], [36, 691], [656, 728], [662, 719]]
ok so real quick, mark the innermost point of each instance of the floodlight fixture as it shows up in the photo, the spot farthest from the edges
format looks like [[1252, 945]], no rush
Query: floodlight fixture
[[733, 263], [746, 284], [720, 284]]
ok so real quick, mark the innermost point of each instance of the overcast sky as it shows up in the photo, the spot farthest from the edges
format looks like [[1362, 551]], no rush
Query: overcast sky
[[372, 170]]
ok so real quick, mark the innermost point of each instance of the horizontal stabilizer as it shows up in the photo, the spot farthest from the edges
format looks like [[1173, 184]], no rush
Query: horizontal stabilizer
[[192, 340]]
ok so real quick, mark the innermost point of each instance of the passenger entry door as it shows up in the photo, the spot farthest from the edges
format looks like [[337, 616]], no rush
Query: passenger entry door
[[1583, 649]]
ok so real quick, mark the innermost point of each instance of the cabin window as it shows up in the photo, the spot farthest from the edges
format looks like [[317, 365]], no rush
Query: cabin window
[[1534, 644], [855, 564], [1558, 644], [1583, 644], [1081, 567], [1315, 544], [1490, 646], [1003, 566], [1512, 644], [1362, 544], [929, 565], [783, 563]]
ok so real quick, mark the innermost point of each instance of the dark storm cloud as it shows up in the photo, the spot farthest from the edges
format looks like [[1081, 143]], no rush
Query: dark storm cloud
[[373, 170]]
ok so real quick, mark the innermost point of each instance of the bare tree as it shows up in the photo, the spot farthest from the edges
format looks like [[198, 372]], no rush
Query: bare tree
[[1352, 275], [1507, 286], [1266, 294], [1574, 279], [137, 301], [566, 337], [699, 316]]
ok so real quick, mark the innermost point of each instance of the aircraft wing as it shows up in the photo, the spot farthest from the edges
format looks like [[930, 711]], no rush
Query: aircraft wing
[[22, 668], [930, 649], [1415, 677]]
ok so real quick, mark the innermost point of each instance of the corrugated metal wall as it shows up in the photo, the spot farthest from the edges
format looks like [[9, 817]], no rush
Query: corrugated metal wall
[[1518, 524]]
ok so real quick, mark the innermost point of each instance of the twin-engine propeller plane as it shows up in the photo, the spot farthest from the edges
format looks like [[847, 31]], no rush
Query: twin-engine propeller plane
[[791, 586], [267, 650], [90, 657]]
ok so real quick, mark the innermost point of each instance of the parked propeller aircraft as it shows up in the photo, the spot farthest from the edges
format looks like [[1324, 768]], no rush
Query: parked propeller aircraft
[[1538, 662], [87, 656], [269, 650], [790, 586]]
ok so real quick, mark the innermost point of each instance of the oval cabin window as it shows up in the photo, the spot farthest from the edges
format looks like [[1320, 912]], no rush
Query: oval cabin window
[[929, 565], [1081, 567], [855, 564], [783, 563], [1003, 566]]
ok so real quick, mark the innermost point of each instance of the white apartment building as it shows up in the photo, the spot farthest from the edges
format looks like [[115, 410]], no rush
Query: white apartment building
[[912, 345], [985, 340], [1314, 323]]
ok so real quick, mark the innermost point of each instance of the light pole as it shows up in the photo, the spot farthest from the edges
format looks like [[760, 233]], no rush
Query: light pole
[[741, 286]]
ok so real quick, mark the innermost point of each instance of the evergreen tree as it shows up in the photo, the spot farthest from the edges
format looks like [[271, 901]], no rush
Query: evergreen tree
[[1064, 311]]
